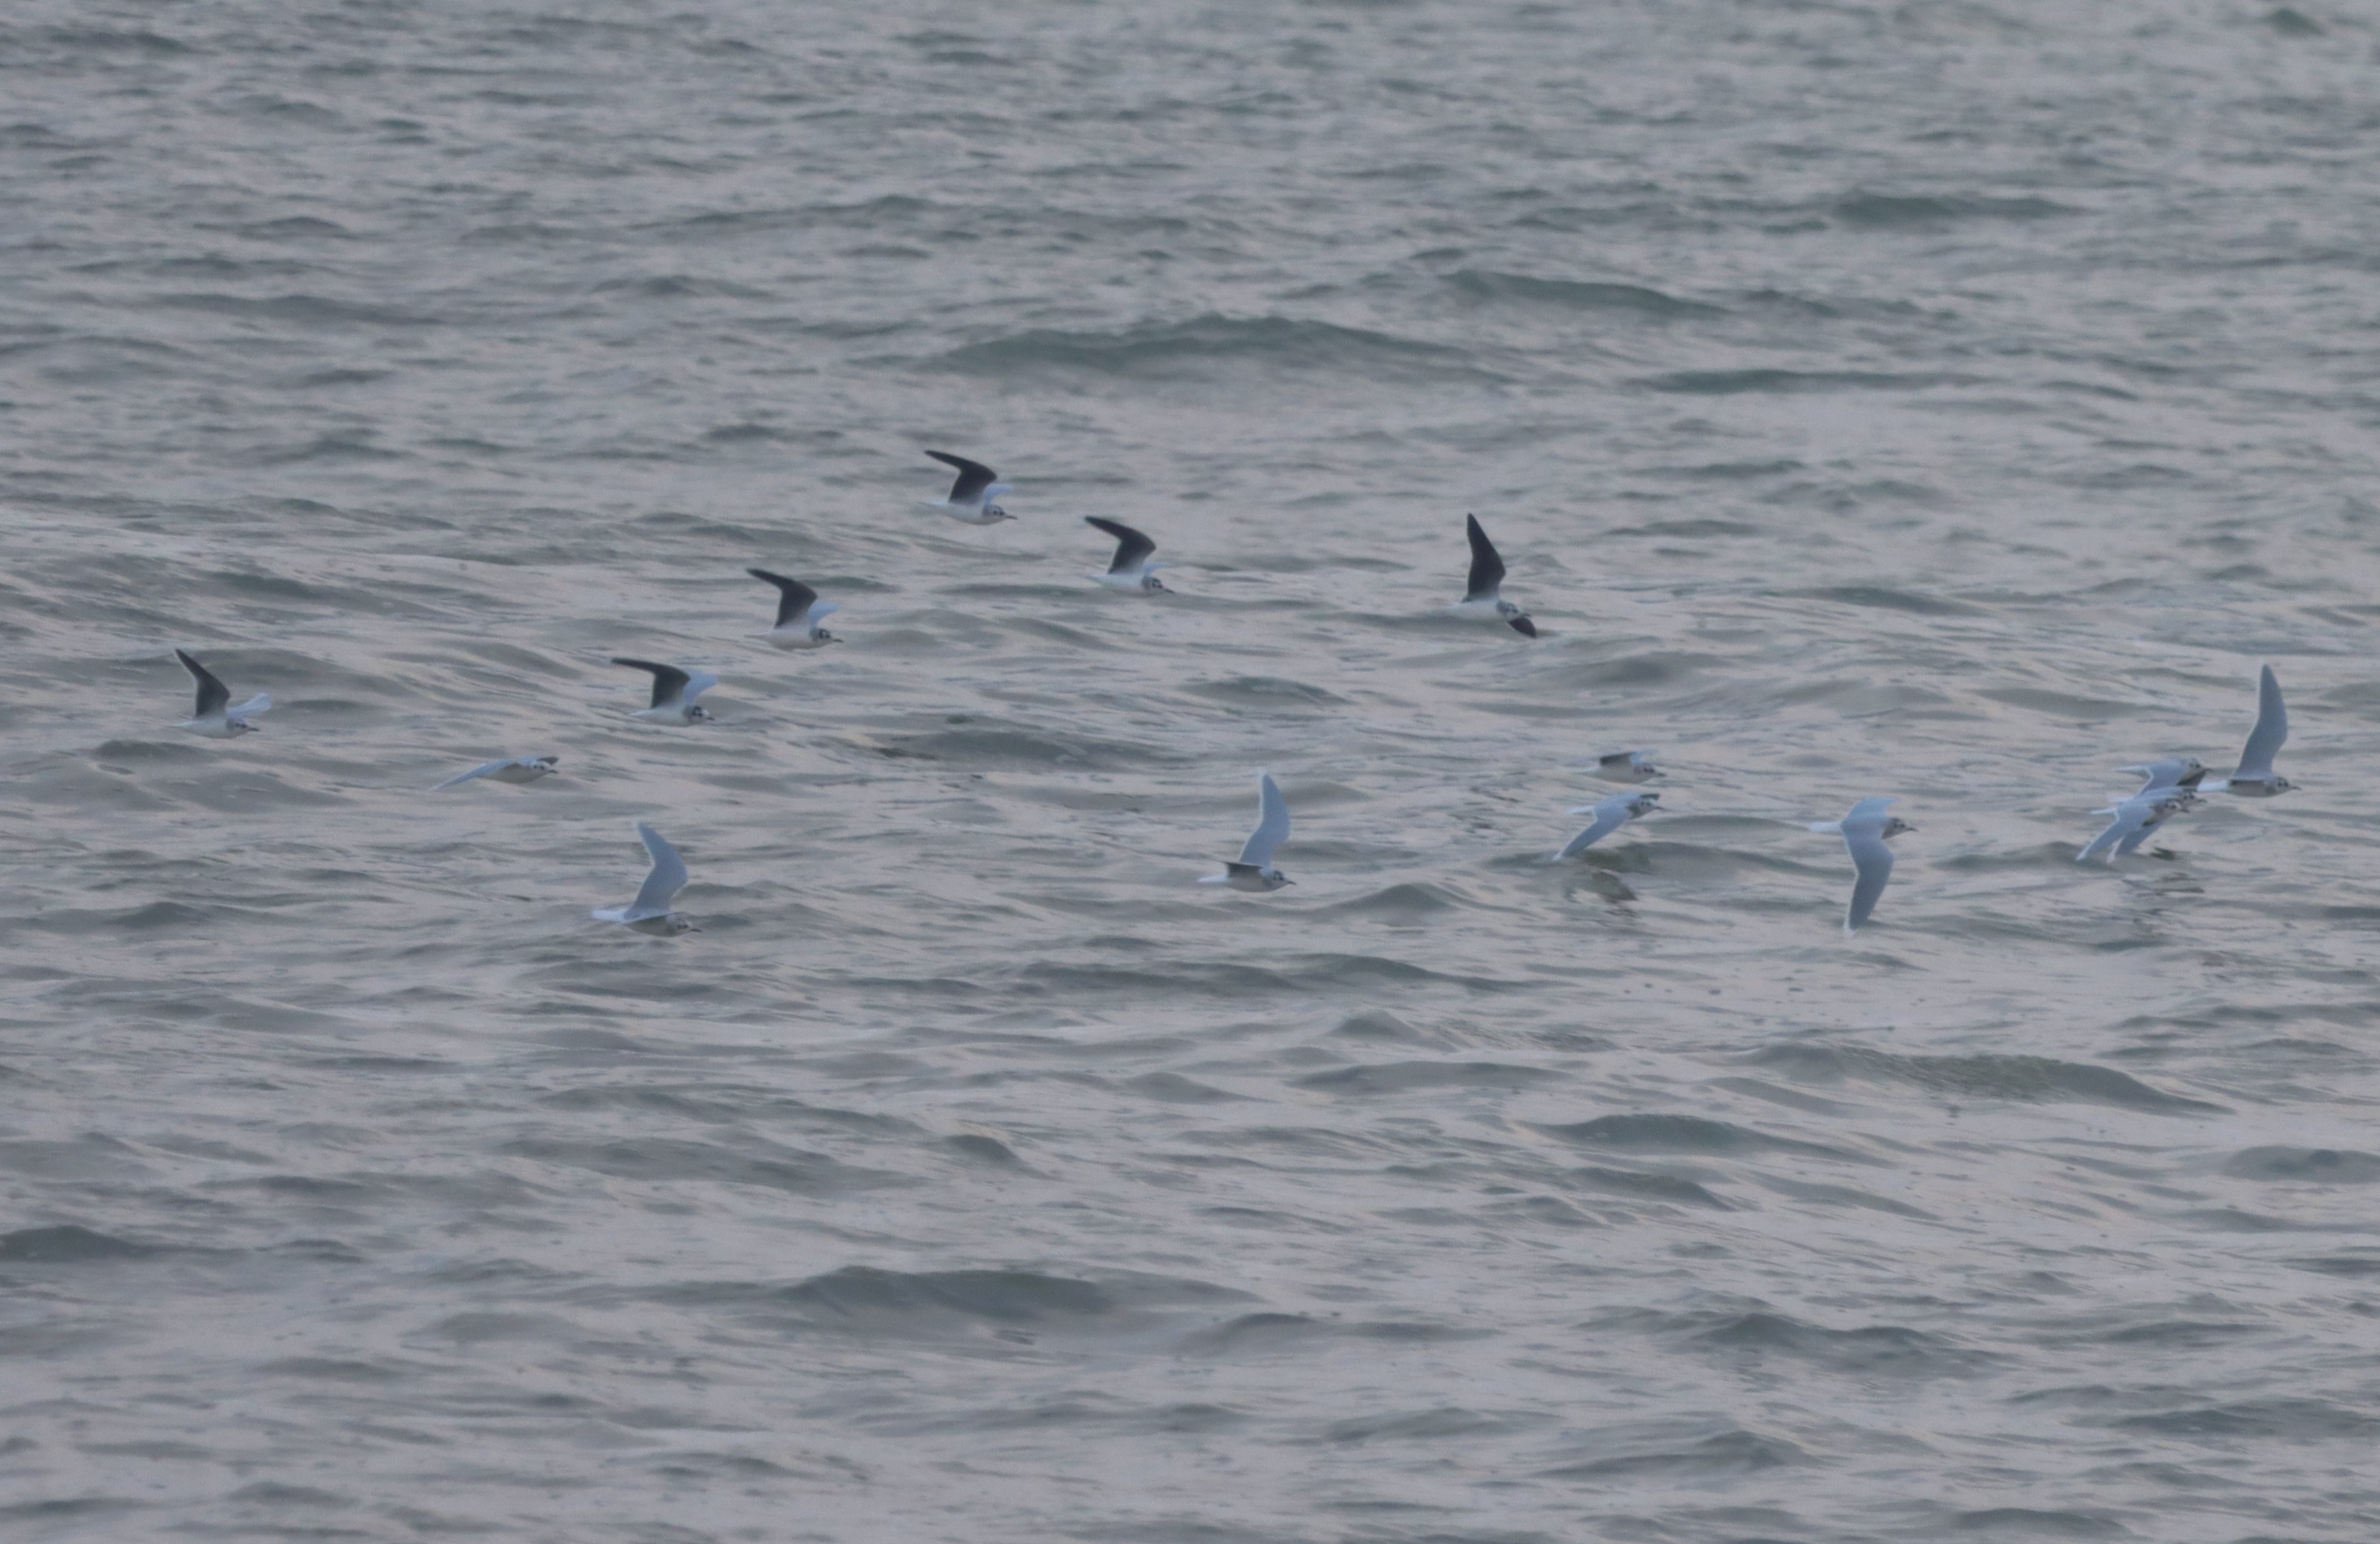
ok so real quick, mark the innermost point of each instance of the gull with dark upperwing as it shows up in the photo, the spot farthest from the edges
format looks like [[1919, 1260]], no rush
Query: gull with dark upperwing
[[1255, 871], [1484, 600], [1131, 568], [799, 614], [650, 912], [1627, 766], [214, 716], [970, 499], [674, 691], [1865, 831], [2136, 820]]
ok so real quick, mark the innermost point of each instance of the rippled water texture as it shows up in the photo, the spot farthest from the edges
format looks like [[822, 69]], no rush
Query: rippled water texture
[[1947, 401]]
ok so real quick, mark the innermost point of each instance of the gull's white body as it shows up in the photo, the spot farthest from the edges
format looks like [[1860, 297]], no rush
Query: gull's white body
[[805, 632], [511, 769], [2255, 778], [1610, 813], [1254, 871], [650, 912], [1865, 831], [974, 497]]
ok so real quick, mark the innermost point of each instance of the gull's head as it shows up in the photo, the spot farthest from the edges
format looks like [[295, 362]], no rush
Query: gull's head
[[697, 714], [1894, 825], [1154, 585], [993, 512], [238, 726], [819, 635], [1644, 804]]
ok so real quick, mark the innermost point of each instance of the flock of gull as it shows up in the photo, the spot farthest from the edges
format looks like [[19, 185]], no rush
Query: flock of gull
[[2169, 787]]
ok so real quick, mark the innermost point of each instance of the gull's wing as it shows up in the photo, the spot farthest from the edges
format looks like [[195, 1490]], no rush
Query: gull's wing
[[794, 598], [819, 613], [260, 703], [668, 680], [2272, 728], [1486, 569], [697, 683], [1272, 823], [974, 477], [2130, 815], [1132, 547], [1873, 858], [483, 769], [1609, 815], [1868, 810], [666, 880], [214, 696]]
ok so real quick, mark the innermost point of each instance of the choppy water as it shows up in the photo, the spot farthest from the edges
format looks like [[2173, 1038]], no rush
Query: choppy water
[[1948, 401]]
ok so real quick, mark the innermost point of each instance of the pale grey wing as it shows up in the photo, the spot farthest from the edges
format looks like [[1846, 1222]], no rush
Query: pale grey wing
[[2130, 815], [2138, 835], [214, 696], [1873, 858], [1606, 821], [483, 769], [1869, 809], [2272, 728], [697, 683], [666, 880], [1272, 824], [819, 613]]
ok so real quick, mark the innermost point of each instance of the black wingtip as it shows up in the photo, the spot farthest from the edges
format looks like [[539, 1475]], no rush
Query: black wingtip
[[1524, 626]]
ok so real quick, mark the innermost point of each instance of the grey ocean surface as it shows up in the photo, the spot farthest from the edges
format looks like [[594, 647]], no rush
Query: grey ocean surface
[[1948, 401]]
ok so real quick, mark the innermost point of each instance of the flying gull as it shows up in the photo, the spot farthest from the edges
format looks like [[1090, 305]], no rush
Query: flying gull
[[1626, 766], [800, 614], [650, 912], [216, 716], [970, 500], [1610, 813], [509, 769], [1254, 869], [2256, 777], [1131, 570], [674, 692], [1865, 831], [1481, 599], [2135, 818]]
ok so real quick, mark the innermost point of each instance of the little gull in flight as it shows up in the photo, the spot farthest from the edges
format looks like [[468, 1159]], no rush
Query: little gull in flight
[[674, 692], [2135, 818], [216, 716], [1865, 831], [1610, 813], [509, 769], [1131, 570], [2256, 777], [650, 912], [799, 614], [2173, 772], [1626, 766], [1254, 869], [1481, 599], [970, 500]]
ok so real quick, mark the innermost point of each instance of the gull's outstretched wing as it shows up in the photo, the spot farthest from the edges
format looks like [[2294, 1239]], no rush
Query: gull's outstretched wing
[[697, 682], [214, 696], [1609, 815], [1873, 858], [2272, 728], [794, 598], [2131, 818], [1868, 810], [1132, 547], [973, 479], [664, 884], [1486, 569], [668, 680], [820, 613], [1272, 823], [483, 769]]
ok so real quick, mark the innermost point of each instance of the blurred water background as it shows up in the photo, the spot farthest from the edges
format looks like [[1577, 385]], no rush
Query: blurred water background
[[1950, 401]]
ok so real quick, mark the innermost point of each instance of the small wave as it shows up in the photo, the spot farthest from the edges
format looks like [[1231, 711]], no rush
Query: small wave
[[1198, 346], [1016, 745], [2294, 1419], [1398, 1077], [1267, 691], [1890, 1350], [1481, 284], [2305, 1165], [66, 1244], [1889, 209], [1882, 599], [1683, 1448], [1686, 1134], [2033, 1079], [1636, 1184], [1735, 382], [2027, 1522], [751, 1161]]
